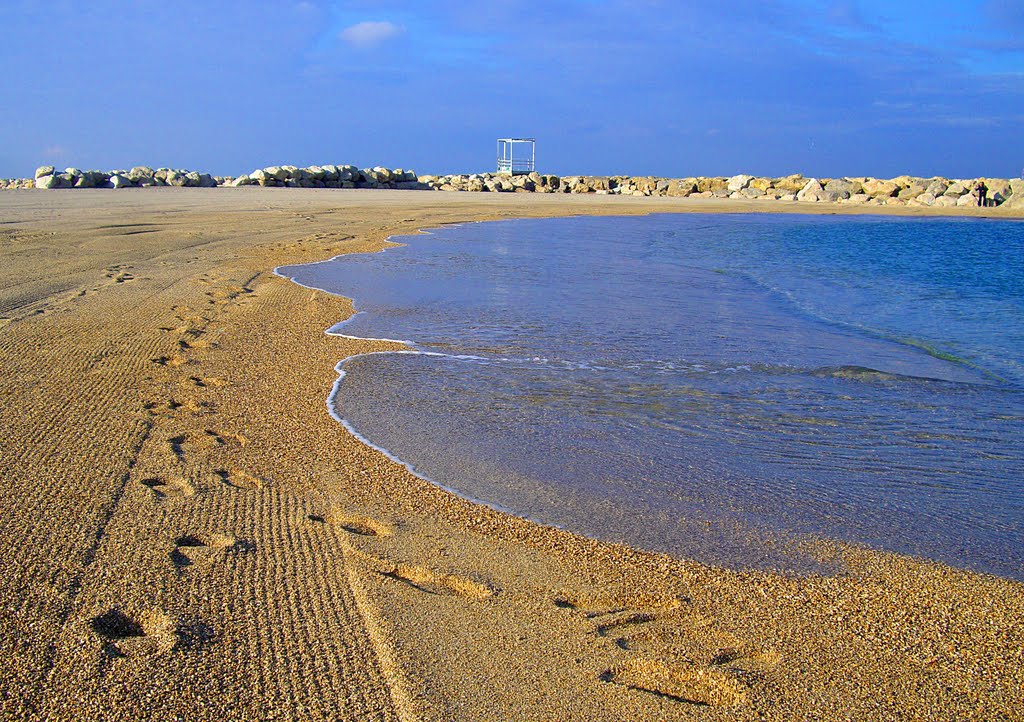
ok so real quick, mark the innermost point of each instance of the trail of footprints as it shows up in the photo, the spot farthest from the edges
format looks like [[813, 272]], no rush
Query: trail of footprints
[[722, 673], [183, 459], [718, 671], [418, 577]]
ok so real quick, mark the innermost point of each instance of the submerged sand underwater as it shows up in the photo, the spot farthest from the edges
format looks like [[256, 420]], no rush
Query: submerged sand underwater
[[185, 531]]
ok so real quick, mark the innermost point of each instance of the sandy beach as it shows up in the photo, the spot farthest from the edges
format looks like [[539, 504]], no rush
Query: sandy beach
[[186, 533]]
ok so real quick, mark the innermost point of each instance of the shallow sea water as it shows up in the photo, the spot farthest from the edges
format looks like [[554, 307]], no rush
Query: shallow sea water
[[713, 386]]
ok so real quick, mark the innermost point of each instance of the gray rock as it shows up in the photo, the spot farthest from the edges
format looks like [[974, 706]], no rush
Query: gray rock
[[43, 171], [843, 187], [955, 189], [139, 172], [242, 180], [119, 181], [937, 187]]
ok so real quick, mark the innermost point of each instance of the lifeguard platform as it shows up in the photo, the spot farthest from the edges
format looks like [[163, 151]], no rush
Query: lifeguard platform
[[517, 156]]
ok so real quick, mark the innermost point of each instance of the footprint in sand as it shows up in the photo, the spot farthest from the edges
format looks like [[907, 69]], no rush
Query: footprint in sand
[[170, 361], [203, 549], [151, 633], [352, 523], [207, 382], [240, 479], [683, 682], [431, 582], [148, 634], [418, 577], [168, 487]]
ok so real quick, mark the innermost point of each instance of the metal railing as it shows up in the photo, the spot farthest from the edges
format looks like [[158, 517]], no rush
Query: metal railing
[[507, 160], [515, 165]]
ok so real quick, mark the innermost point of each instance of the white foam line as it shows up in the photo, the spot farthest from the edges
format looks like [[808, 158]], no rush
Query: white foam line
[[331, 409], [339, 368]]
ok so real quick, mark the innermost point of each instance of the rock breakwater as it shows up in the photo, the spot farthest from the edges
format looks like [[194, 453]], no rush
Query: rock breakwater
[[903, 190]]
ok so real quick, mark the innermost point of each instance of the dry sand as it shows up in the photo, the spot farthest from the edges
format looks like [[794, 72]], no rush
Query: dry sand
[[185, 533]]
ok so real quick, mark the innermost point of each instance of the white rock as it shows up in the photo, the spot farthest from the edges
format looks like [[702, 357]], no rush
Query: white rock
[[811, 192], [48, 181], [739, 182]]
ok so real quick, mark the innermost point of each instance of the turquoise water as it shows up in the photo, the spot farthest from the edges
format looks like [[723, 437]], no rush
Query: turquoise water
[[713, 386]]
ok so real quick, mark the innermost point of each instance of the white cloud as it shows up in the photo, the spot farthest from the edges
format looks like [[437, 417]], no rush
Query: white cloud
[[370, 32]]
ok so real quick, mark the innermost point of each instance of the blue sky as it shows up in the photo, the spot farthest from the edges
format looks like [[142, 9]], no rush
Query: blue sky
[[607, 86]]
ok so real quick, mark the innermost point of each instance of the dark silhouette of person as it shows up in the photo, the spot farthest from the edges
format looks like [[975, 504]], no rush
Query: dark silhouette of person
[[982, 192]]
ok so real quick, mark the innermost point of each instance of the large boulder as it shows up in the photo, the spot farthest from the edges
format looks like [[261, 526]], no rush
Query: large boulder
[[877, 188], [139, 172], [120, 181], [681, 187], [911, 191], [955, 189], [843, 187], [738, 182], [811, 192], [790, 184], [712, 184], [43, 171], [998, 189], [48, 181], [174, 178], [938, 187]]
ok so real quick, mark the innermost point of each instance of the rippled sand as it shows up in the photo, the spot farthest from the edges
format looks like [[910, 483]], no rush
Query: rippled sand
[[184, 530]]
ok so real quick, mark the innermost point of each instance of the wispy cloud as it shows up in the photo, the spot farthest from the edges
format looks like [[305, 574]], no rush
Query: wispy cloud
[[55, 151], [369, 33]]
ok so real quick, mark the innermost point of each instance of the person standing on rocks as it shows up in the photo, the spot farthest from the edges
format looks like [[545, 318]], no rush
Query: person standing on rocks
[[982, 192]]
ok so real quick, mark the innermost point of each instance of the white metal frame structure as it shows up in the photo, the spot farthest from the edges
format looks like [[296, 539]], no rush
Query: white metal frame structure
[[507, 160]]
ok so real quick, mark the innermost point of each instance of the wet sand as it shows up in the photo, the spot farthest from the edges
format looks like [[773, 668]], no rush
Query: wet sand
[[185, 531]]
